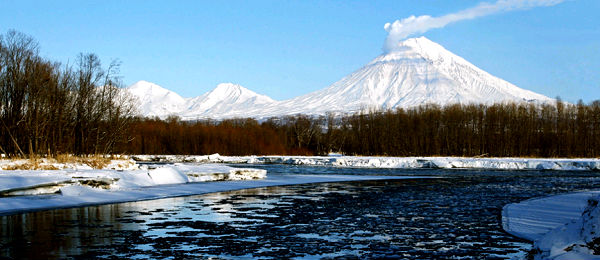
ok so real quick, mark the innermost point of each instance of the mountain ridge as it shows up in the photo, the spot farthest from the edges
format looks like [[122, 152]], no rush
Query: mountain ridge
[[227, 99], [418, 72]]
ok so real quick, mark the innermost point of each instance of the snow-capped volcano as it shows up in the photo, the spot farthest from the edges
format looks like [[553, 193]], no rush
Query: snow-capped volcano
[[155, 100], [225, 101], [418, 72]]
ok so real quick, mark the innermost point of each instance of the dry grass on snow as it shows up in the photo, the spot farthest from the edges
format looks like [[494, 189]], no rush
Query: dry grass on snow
[[51, 163]]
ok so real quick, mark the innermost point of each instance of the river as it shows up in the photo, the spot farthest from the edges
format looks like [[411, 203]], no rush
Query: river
[[454, 217]]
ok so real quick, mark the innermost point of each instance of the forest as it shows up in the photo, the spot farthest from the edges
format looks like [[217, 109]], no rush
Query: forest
[[48, 109]]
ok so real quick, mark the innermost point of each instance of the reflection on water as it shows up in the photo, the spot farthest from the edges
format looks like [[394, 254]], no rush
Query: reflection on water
[[458, 217], [58, 232]]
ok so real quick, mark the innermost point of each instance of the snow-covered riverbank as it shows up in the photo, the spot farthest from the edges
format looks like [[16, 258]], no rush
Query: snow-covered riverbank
[[392, 162], [22, 191], [36, 182], [561, 227]]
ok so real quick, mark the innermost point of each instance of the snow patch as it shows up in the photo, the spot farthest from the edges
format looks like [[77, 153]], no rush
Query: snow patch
[[167, 175], [562, 227], [25, 183], [215, 172], [77, 190]]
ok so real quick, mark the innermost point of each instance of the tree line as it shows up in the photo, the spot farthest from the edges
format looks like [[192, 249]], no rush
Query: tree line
[[49, 108], [523, 130]]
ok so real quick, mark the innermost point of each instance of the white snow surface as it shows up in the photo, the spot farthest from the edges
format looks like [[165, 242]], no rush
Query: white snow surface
[[560, 226], [419, 72], [392, 162], [155, 100], [227, 100], [18, 182], [39, 190], [167, 175]]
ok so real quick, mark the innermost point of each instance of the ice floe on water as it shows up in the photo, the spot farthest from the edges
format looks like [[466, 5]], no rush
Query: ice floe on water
[[392, 162], [561, 227]]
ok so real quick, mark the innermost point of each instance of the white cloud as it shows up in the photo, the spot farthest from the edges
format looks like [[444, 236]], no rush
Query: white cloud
[[400, 29]]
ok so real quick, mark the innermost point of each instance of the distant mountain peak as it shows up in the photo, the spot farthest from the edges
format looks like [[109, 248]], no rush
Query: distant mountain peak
[[232, 91], [226, 100], [419, 48], [229, 88], [419, 45], [420, 42], [155, 100], [145, 86], [418, 72]]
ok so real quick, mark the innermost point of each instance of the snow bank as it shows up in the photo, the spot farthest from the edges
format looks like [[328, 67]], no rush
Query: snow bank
[[391, 162], [167, 175], [85, 195], [561, 227], [216, 172], [19, 182]]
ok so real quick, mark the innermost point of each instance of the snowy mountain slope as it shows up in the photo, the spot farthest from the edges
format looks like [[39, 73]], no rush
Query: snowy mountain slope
[[155, 100], [418, 72], [225, 101]]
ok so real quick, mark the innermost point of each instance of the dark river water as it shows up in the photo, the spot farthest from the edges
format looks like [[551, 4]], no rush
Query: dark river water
[[456, 217]]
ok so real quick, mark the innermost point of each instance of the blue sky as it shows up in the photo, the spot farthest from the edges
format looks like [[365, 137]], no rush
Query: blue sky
[[288, 48]]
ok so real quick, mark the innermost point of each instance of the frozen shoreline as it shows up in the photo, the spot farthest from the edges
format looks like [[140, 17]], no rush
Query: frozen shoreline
[[563, 226], [37, 182], [24, 191], [584, 164]]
